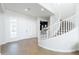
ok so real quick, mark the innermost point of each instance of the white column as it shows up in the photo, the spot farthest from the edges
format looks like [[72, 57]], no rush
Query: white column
[[38, 28]]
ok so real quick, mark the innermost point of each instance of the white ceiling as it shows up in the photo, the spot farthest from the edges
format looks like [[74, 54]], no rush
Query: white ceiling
[[63, 10], [35, 9]]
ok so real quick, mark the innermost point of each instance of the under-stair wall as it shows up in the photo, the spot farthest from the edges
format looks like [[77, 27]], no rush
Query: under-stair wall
[[77, 19]]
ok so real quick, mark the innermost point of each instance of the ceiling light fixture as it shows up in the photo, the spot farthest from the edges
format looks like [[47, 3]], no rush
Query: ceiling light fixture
[[27, 9], [42, 9]]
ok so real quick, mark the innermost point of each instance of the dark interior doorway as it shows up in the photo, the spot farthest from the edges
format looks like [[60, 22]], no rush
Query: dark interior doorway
[[43, 24]]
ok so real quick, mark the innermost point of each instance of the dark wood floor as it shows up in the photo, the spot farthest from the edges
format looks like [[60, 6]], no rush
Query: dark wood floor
[[28, 47], [0, 49]]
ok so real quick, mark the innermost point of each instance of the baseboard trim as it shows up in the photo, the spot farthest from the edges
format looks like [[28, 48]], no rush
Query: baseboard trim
[[16, 40]]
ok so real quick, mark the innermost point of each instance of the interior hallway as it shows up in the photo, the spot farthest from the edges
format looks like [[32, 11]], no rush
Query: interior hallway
[[28, 47]]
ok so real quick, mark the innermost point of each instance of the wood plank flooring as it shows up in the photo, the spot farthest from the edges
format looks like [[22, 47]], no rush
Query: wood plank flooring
[[28, 47], [0, 49]]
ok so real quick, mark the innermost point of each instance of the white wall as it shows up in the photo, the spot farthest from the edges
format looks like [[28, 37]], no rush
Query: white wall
[[61, 10], [25, 26], [54, 26], [1, 28], [77, 19], [77, 14]]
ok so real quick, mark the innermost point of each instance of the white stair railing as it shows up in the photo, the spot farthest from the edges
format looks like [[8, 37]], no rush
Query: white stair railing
[[65, 26]]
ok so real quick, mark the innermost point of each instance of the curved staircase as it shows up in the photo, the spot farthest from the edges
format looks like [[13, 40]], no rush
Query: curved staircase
[[61, 36], [65, 26], [64, 39]]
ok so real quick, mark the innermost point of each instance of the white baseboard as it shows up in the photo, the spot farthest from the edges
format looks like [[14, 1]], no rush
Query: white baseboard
[[16, 39], [56, 50]]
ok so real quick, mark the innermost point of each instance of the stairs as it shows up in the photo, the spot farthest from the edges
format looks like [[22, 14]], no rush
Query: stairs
[[64, 40], [65, 26]]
